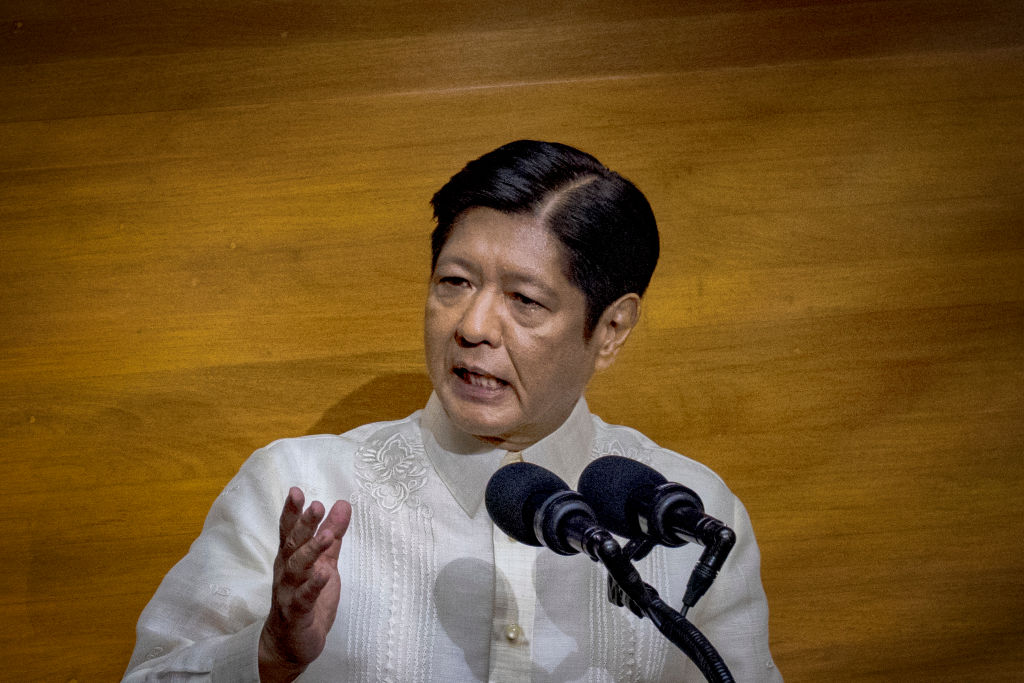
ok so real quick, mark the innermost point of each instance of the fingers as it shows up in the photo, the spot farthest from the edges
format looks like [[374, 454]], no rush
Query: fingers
[[306, 580], [299, 563], [302, 526], [314, 561], [307, 594], [326, 544], [336, 524], [290, 513], [301, 542]]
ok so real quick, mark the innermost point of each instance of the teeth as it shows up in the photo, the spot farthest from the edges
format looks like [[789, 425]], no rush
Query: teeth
[[481, 381], [485, 381]]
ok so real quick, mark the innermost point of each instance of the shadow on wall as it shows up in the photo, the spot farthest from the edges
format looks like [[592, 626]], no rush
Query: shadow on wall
[[385, 397]]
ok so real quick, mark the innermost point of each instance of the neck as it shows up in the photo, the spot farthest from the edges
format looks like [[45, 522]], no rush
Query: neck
[[508, 444]]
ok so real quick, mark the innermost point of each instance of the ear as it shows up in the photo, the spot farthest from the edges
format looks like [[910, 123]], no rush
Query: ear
[[614, 326]]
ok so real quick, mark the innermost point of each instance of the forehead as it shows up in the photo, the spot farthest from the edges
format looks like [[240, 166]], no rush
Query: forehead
[[520, 242]]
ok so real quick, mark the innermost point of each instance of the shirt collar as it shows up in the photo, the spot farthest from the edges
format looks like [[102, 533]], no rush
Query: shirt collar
[[465, 463]]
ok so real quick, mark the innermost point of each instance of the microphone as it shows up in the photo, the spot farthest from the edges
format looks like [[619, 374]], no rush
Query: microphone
[[636, 501], [535, 507]]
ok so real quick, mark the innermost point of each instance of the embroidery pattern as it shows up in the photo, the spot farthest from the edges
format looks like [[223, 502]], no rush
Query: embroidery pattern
[[615, 447], [392, 471], [391, 622]]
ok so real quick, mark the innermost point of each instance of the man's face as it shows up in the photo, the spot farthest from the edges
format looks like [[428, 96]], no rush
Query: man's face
[[504, 329]]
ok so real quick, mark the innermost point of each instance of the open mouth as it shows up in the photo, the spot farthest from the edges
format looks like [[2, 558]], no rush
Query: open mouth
[[481, 380]]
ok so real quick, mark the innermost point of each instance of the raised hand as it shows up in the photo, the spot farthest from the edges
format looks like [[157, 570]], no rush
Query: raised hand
[[306, 587]]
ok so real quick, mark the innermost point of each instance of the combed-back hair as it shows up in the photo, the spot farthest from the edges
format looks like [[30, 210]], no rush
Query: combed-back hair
[[601, 219]]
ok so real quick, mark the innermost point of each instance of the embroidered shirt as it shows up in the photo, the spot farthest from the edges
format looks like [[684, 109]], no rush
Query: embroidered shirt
[[431, 589]]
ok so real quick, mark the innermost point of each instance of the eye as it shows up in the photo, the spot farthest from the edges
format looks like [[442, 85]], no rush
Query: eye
[[452, 281], [526, 301], [449, 288]]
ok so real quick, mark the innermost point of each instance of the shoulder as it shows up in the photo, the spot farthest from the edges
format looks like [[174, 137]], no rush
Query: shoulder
[[612, 439], [311, 448], [353, 438], [324, 466]]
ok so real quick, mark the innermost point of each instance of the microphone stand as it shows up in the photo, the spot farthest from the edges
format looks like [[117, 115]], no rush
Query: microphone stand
[[630, 590]]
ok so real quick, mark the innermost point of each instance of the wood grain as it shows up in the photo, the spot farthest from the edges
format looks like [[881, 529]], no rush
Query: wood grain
[[214, 233]]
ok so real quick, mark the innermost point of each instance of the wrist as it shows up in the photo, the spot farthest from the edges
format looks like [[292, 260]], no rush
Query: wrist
[[273, 667]]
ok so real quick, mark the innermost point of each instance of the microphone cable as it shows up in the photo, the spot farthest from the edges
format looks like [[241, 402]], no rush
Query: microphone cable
[[627, 589]]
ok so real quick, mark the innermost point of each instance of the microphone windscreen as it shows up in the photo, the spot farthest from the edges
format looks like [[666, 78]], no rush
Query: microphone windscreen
[[514, 494], [615, 487]]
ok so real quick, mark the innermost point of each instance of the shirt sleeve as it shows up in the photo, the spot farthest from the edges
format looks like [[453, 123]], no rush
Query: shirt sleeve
[[204, 621], [734, 613]]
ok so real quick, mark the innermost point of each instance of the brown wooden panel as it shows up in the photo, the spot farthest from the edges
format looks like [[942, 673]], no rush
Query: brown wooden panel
[[214, 230], [194, 57]]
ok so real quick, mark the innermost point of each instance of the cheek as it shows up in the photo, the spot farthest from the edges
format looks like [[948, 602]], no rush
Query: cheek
[[431, 334], [439, 323], [434, 324], [550, 362]]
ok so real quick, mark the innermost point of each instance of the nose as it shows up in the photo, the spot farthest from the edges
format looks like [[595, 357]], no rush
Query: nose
[[481, 321]]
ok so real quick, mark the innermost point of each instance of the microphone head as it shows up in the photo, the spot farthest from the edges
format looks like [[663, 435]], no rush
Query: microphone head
[[618, 489], [514, 495]]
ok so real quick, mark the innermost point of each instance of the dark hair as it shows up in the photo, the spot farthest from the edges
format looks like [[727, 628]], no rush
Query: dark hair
[[601, 219]]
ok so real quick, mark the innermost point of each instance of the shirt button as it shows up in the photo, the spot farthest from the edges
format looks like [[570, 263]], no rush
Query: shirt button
[[513, 632]]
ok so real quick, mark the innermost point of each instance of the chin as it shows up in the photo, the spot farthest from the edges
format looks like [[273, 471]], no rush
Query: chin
[[482, 427], [479, 421]]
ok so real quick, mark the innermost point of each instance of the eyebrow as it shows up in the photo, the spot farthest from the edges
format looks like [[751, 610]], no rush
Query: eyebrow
[[518, 278], [525, 279]]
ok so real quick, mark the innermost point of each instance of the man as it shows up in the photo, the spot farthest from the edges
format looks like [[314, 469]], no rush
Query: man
[[540, 258]]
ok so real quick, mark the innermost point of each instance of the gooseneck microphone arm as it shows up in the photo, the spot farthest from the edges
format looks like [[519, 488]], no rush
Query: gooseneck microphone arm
[[636, 501], [690, 640], [537, 508], [718, 540], [644, 600]]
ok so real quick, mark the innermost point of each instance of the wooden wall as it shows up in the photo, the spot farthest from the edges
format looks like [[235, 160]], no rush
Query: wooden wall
[[214, 233]]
